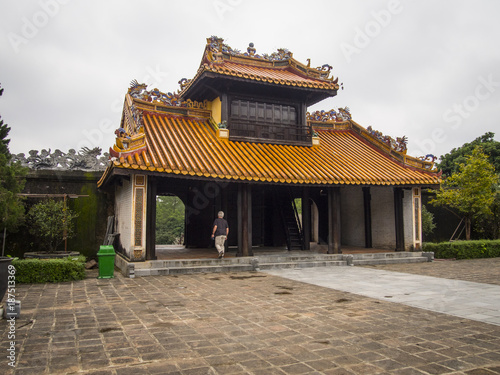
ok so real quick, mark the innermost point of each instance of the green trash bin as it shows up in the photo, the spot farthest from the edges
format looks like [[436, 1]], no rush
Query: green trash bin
[[106, 260]]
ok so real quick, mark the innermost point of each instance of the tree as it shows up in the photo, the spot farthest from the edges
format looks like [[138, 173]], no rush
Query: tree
[[52, 222], [4, 132], [487, 225], [11, 184], [169, 220], [471, 190], [449, 162], [428, 224]]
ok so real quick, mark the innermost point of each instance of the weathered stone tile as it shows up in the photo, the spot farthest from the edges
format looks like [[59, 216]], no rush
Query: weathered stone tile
[[408, 371], [431, 356], [434, 368], [388, 364], [243, 329], [94, 364], [366, 368], [296, 368]]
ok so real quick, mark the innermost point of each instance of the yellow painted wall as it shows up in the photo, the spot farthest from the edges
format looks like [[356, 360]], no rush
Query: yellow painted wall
[[216, 107]]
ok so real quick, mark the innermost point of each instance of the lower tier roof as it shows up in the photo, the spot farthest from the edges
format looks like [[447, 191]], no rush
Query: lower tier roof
[[184, 146]]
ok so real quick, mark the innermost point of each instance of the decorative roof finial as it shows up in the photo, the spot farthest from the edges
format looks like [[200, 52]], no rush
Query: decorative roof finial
[[251, 50]]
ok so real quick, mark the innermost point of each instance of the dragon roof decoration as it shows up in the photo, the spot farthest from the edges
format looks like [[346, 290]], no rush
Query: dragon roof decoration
[[344, 114], [341, 115], [399, 144], [139, 91], [216, 48], [217, 45], [85, 159]]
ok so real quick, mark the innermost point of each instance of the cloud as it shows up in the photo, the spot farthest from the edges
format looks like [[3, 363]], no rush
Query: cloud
[[71, 76]]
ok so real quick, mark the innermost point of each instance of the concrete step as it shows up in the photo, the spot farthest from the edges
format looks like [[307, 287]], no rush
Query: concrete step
[[209, 269], [302, 264], [298, 258], [192, 262], [236, 260], [295, 259], [392, 255], [366, 262], [193, 269]]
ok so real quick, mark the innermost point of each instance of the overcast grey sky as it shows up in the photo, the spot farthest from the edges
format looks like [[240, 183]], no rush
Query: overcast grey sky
[[426, 69]]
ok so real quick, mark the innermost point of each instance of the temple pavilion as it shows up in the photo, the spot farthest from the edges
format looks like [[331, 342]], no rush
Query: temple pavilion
[[238, 137]]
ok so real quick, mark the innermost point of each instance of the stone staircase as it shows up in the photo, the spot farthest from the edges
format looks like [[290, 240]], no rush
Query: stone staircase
[[264, 262], [300, 260], [291, 223], [182, 266], [391, 258]]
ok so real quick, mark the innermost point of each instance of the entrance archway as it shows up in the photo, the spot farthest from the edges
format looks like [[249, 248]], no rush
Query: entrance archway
[[170, 220]]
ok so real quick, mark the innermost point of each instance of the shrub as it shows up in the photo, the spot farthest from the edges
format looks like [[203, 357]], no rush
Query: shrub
[[49, 270], [464, 249], [51, 222], [428, 224]]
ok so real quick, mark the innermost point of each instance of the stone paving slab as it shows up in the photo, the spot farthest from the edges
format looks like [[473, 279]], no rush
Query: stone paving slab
[[464, 299], [241, 323], [477, 270]]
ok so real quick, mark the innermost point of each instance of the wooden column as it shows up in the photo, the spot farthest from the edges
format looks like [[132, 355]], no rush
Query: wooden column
[[334, 221], [244, 220], [368, 216], [306, 218], [302, 114], [224, 107], [399, 219], [224, 208], [151, 219]]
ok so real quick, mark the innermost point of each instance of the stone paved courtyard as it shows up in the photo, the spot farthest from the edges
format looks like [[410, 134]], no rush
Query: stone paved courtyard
[[244, 323], [477, 270]]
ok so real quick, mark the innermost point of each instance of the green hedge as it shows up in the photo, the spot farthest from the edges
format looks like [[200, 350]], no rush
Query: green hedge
[[49, 270], [464, 249]]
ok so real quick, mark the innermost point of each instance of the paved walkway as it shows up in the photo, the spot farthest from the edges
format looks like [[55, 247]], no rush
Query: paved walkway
[[459, 298], [485, 271], [240, 323]]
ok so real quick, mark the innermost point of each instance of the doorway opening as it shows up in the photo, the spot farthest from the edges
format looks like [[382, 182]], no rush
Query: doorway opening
[[170, 220]]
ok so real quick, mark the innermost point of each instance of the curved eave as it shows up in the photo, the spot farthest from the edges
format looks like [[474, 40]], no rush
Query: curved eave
[[105, 175], [288, 181], [274, 76], [189, 148]]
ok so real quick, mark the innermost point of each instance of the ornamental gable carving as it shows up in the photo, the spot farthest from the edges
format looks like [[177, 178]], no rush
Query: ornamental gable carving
[[86, 159]]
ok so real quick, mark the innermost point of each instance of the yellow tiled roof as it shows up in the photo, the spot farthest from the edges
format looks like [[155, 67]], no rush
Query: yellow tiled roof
[[276, 75], [283, 69], [186, 146]]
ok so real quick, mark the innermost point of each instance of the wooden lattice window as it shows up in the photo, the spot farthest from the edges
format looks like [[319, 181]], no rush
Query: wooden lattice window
[[266, 121]]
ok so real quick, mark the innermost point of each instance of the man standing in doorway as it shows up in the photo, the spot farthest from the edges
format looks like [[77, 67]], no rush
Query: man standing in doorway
[[220, 231]]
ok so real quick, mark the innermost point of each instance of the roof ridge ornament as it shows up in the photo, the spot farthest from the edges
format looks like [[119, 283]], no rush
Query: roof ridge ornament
[[86, 159], [429, 162], [324, 68], [217, 47], [399, 144], [251, 49], [184, 82], [139, 91], [342, 115]]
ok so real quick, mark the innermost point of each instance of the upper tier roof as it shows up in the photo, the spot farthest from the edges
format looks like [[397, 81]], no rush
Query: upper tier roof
[[279, 69]]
